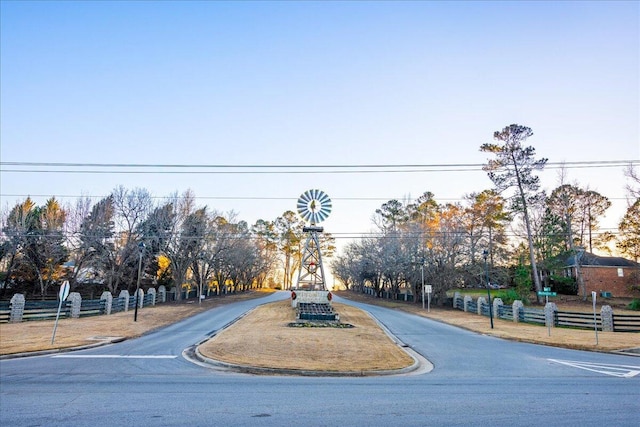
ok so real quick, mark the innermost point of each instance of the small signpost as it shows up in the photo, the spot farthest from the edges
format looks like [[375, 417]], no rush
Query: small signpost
[[428, 289], [547, 293], [62, 295], [595, 319]]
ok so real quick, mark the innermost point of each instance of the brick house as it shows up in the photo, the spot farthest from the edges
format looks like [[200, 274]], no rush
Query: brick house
[[605, 274]]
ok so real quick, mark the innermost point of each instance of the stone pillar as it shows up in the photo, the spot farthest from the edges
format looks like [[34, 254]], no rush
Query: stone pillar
[[497, 304], [517, 306], [124, 294], [174, 290], [108, 301], [162, 293], [550, 314], [140, 301], [152, 291], [17, 308], [456, 297], [76, 302], [481, 302], [467, 300], [606, 313]]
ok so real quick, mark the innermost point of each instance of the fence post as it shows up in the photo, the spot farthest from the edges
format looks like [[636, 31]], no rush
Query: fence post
[[517, 306], [550, 310], [125, 295], [140, 298], [497, 304], [467, 300], [108, 303], [162, 290], [456, 297], [76, 302], [152, 291], [606, 314], [17, 308], [481, 302]]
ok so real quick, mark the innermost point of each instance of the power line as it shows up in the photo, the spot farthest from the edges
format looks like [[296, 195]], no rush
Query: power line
[[288, 166], [141, 168]]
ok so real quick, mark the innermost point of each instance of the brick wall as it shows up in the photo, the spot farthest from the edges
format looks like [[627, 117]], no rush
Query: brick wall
[[600, 278]]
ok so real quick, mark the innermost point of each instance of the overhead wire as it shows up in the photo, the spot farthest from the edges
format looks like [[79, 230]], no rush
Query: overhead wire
[[142, 168]]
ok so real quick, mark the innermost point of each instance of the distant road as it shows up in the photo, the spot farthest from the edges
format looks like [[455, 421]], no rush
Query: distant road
[[476, 380]]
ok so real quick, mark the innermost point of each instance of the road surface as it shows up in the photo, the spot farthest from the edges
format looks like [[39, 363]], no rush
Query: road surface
[[476, 380]]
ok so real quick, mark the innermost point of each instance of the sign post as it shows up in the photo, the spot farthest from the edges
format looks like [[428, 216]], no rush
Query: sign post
[[547, 293], [595, 320], [62, 295]]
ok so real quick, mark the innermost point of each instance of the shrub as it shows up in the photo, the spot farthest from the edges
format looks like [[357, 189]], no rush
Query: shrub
[[508, 296], [635, 304], [523, 283], [564, 285]]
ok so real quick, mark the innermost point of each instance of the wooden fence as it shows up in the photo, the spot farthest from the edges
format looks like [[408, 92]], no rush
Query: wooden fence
[[605, 320], [626, 322], [47, 310], [571, 319]]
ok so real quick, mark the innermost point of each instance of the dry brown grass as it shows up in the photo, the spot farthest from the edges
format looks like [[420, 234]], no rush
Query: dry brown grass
[[36, 335], [264, 339]]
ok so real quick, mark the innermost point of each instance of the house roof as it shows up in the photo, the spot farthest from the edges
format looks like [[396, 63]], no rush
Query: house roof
[[589, 259]]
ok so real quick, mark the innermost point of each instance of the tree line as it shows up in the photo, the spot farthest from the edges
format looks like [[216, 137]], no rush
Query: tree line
[[512, 234], [175, 242]]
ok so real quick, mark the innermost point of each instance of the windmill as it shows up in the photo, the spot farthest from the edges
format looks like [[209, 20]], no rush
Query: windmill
[[314, 206]]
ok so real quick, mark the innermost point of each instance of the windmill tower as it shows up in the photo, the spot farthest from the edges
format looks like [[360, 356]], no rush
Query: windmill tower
[[314, 206]]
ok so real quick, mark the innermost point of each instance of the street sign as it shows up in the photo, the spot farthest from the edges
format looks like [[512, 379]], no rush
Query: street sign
[[428, 289], [63, 294], [547, 294], [64, 291], [595, 317]]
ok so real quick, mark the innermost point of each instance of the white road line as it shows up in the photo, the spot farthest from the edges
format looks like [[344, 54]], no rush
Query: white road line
[[621, 371], [112, 356]]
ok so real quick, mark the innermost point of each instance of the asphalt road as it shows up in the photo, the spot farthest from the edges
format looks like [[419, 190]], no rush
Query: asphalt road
[[476, 381]]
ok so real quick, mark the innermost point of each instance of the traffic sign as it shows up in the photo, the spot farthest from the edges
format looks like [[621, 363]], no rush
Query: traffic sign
[[428, 288], [63, 294], [64, 291]]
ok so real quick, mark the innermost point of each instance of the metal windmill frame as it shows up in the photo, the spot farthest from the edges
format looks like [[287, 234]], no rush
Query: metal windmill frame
[[314, 206]]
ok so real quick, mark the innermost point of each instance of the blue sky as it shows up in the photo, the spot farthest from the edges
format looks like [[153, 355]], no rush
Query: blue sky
[[320, 83]]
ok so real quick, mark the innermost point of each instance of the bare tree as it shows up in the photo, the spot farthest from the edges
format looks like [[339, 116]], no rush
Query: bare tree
[[629, 239], [177, 230], [94, 246], [593, 206], [633, 188], [131, 208]]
